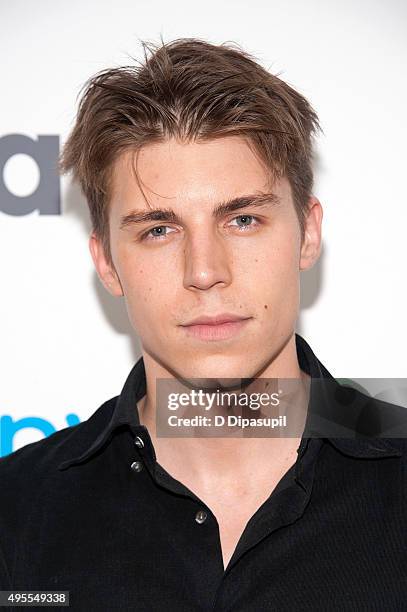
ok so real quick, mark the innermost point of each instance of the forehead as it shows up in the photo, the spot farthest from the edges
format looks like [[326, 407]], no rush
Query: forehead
[[172, 172]]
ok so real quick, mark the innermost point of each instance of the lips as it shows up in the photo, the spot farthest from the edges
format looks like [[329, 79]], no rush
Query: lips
[[216, 328], [218, 319]]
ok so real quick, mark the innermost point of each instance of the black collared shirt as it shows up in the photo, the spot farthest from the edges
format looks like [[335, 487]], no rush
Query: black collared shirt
[[88, 510]]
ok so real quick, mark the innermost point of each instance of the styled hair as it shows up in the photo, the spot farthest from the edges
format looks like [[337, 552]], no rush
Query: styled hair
[[190, 90]]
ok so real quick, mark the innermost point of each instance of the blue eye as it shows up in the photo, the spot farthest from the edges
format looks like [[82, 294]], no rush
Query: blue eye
[[160, 227], [243, 227], [149, 236]]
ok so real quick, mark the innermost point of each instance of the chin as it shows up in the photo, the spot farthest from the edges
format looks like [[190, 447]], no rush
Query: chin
[[219, 367]]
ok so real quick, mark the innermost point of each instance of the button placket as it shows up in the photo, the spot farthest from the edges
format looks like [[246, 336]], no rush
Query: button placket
[[137, 466]]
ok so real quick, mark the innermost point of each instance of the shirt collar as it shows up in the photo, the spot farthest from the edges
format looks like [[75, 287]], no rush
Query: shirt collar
[[122, 412]]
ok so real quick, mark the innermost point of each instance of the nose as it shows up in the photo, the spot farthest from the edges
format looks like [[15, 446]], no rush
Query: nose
[[206, 261]]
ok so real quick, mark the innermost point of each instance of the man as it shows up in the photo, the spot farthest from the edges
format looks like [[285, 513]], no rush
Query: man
[[197, 168]]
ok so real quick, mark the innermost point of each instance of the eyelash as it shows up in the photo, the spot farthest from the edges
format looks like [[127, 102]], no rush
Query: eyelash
[[243, 228]]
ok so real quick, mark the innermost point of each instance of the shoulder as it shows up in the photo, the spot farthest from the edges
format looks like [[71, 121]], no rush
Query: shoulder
[[347, 407], [30, 478], [381, 418], [23, 467]]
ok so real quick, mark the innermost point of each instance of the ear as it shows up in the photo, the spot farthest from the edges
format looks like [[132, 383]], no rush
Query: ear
[[105, 271], [311, 245]]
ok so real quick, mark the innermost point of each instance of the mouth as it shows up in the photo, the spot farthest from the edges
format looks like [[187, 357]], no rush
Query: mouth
[[222, 330]]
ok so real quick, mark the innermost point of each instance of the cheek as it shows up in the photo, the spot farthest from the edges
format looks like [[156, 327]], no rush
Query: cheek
[[147, 295], [284, 264], [274, 261], [274, 279]]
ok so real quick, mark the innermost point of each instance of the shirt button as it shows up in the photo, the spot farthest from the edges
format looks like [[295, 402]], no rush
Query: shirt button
[[138, 442], [200, 516], [137, 466]]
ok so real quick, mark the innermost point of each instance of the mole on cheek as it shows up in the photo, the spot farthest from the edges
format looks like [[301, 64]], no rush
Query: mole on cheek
[[265, 306]]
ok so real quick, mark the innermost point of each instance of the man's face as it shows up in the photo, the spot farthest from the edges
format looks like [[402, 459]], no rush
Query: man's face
[[245, 262]]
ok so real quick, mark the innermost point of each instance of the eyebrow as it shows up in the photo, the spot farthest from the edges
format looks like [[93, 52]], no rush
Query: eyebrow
[[136, 217]]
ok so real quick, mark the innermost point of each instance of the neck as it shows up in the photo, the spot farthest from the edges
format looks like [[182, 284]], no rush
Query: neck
[[209, 460]]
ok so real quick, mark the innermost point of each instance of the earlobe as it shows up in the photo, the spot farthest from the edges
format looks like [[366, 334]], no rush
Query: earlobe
[[308, 255]]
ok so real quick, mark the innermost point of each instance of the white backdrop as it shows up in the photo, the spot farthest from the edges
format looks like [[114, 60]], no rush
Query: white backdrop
[[66, 344]]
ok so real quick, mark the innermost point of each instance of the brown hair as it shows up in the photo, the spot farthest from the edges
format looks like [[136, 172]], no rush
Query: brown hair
[[188, 89]]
